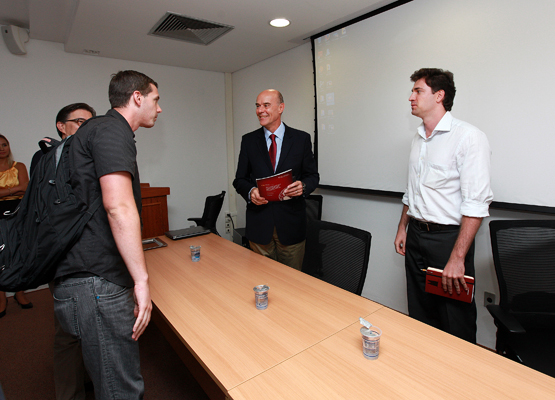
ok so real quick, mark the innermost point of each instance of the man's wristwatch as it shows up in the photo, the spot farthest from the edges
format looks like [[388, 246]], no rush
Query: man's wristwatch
[[304, 188]]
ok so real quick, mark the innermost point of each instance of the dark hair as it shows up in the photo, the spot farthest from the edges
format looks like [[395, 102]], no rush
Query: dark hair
[[124, 83], [63, 114], [438, 79]]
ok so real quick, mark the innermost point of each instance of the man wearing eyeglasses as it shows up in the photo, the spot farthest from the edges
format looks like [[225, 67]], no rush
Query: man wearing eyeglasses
[[69, 368], [68, 120]]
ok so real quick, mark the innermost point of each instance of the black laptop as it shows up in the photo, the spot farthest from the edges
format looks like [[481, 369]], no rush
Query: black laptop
[[187, 232]]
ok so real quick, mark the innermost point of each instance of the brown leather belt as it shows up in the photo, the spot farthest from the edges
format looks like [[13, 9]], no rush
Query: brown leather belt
[[432, 227]]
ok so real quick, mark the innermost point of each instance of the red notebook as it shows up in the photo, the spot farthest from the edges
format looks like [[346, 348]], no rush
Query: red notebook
[[433, 285], [272, 187]]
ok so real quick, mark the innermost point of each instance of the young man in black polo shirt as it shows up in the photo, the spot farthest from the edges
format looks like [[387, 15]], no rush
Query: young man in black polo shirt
[[101, 292]]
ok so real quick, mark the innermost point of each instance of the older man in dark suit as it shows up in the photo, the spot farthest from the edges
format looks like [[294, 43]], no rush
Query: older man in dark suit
[[276, 229]]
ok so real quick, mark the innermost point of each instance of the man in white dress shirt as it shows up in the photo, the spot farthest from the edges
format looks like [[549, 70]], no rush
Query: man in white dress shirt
[[448, 194]]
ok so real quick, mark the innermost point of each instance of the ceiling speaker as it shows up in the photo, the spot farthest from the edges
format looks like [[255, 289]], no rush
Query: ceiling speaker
[[15, 38]]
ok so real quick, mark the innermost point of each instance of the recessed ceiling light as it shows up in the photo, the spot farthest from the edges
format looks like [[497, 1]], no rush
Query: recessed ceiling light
[[279, 22]]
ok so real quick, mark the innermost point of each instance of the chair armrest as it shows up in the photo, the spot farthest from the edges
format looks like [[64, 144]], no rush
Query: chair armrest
[[505, 319], [195, 220]]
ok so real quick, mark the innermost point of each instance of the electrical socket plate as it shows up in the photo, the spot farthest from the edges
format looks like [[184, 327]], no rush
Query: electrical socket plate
[[227, 224], [489, 298]]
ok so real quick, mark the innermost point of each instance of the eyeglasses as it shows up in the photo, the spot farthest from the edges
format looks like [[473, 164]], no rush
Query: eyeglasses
[[78, 121]]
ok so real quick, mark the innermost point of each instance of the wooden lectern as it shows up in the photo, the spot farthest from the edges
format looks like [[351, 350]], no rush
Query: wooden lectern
[[155, 210]]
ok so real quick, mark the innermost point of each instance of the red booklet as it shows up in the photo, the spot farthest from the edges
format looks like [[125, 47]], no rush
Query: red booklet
[[272, 187], [433, 285]]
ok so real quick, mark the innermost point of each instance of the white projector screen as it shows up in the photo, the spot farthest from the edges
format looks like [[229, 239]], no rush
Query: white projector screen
[[502, 53]]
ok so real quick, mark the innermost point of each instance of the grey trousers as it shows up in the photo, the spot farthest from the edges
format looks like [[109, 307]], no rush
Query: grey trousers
[[69, 369], [100, 314]]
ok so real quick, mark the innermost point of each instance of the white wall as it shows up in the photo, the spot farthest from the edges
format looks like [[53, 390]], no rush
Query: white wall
[[186, 150], [291, 73]]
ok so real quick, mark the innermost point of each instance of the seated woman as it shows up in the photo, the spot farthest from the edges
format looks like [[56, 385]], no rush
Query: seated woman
[[13, 183]]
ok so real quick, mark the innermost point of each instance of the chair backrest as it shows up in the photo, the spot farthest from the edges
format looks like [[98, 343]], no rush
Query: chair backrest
[[314, 207], [212, 208], [337, 254], [524, 258]]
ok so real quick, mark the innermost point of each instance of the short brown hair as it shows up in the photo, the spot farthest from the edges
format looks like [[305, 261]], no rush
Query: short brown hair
[[124, 83], [438, 79]]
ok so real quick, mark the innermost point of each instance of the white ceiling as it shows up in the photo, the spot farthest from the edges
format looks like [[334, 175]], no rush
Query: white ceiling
[[119, 28]]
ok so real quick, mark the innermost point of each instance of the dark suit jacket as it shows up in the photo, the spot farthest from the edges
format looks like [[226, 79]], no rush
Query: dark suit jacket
[[288, 217]]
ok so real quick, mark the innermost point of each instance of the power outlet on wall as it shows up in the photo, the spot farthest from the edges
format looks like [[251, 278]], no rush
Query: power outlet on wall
[[489, 298], [229, 221]]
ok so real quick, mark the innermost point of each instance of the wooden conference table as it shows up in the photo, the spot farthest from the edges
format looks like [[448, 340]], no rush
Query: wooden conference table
[[307, 343]]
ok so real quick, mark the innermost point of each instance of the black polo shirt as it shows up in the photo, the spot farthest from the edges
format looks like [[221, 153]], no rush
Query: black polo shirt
[[102, 145]]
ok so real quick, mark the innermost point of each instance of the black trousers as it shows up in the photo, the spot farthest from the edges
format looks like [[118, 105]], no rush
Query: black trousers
[[432, 249]]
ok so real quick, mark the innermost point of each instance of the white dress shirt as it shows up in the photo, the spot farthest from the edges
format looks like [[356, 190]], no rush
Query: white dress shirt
[[449, 173]]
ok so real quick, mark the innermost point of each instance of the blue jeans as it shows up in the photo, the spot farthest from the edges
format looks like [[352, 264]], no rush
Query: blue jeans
[[100, 314]]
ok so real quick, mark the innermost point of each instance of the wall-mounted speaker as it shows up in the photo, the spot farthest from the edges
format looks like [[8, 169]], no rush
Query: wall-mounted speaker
[[15, 38]]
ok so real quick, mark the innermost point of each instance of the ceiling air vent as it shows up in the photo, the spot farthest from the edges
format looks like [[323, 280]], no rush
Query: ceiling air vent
[[188, 29]]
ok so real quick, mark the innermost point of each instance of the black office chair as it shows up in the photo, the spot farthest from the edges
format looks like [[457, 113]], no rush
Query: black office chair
[[524, 258], [212, 208], [337, 254], [314, 207]]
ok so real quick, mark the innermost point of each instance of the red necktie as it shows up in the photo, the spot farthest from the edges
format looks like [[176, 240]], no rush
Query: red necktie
[[273, 151]]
